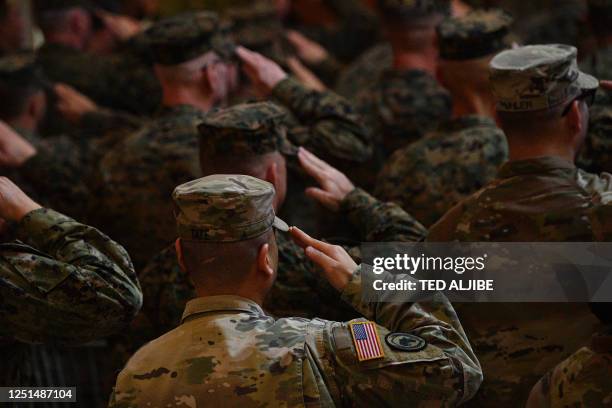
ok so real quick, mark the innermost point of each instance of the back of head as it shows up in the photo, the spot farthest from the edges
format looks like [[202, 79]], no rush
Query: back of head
[[20, 79], [245, 139], [534, 85], [410, 24], [222, 221], [53, 16], [467, 44]]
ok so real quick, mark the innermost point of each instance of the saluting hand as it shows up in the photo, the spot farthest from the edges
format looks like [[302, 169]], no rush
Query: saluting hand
[[14, 203], [263, 72], [336, 263], [334, 185], [14, 149], [72, 104]]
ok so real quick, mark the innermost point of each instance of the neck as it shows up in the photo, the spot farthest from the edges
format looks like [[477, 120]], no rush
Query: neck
[[24, 122], [187, 97], [521, 151], [472, 104], [242, 292], [66, 39], [424, 61]]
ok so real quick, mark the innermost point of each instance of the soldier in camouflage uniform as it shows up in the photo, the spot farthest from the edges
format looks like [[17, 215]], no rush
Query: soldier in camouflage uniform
[[228, 352], [249, 139], [539, 195], [62, 282], [119, 80], [583, 379], [428, 177], [406, 101], [56, 170], [141, 172]]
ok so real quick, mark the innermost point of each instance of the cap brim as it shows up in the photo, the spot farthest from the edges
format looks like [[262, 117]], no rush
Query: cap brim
[[280, 225], [587, 82]]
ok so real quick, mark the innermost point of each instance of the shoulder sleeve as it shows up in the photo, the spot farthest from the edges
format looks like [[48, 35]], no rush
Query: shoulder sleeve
[[73, 285], [328, 124], [443, 371], [380, 221]]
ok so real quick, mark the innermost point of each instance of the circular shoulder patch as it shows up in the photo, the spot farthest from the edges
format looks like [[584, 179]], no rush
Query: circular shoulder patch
[[405, 342]]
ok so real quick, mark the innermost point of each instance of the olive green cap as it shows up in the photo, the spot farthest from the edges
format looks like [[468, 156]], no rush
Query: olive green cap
[[225, 208], [475, 35], [249, 128], [537, 77]]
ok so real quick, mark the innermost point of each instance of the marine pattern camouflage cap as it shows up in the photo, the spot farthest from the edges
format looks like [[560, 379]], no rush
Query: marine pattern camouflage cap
[[181, 38], [537, 77], [411, 9], [475, 35], [248, 128], [225, 208]]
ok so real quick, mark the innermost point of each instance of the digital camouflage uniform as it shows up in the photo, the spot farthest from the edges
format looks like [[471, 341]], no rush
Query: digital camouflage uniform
[[119, 80], [64, 283], [358, 74], [252, 130], [59, 173], [139, 175], [401, 105], [544, 199], [228, 352], [429, 176], [581, 380]]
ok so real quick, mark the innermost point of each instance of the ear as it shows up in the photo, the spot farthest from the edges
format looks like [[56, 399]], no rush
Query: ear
[[179, 255], [272, 175], [574, 118], [264, 261]]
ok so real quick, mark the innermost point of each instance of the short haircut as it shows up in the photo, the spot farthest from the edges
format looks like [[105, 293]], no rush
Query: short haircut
[[524, 122], [223, 264], [235, 163], [185, 73], [16, 97]]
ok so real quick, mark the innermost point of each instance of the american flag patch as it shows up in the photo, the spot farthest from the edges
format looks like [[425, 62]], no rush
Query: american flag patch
[[367, 343]]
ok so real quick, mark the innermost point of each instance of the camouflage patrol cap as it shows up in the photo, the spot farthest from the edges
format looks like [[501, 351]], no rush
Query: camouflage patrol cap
[[225, 208], [413, 9], [248, 128], [21, 69], [475, 35], [181, 38], [537, 77]]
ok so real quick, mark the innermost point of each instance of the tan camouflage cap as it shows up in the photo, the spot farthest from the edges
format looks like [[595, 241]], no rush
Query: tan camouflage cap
[[475, 35], [537, 77], [248, 128], [413, 9], [225, 208], [181, 38]]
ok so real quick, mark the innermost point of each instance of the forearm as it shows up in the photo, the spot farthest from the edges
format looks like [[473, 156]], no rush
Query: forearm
[[85, 289], [331, 125], [379, 221]]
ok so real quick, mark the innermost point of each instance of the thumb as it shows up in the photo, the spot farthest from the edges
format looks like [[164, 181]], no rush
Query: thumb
[[322, 196]]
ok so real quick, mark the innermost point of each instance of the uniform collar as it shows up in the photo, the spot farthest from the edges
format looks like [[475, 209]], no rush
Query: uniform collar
[[178, 110], [216, 304], [538, 165], [467, 121]]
